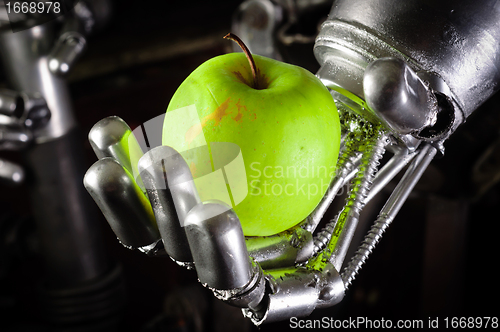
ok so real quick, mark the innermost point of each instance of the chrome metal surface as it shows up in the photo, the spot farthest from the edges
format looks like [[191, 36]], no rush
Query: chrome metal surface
[[165, 161], [14, 138], [36, 113], [172, 193], [363, 145], [67, 221], [122, 202], [112, 137], [346, 169], [21, 114], [24, 55], [264, 25], [389, 212], [296, 292], [461, 44], [155, 249], [66, 52], [361, 186], [398, 96], [79, 281], [248, 296], [287, 248], [389, 171], [11, 173], [255, 22], [10, 103], [218, 246], [71, 42]]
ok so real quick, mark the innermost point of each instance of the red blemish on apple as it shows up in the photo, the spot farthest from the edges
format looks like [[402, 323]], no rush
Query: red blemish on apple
[[238, 117], [241, 110], [217, 116], [238, 105]]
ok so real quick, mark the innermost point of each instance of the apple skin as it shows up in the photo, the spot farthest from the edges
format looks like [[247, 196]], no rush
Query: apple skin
[[288, 133]]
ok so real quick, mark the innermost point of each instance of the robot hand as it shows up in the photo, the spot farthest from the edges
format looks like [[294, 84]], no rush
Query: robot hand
[[158, 211]]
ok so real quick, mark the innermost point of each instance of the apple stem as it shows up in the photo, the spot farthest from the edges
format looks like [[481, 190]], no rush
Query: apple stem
[[233, 37]]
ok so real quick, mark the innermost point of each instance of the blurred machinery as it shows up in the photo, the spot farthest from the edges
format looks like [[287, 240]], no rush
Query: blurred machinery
[[80, 285]]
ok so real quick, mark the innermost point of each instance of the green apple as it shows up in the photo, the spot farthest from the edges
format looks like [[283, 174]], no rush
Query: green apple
[[287, 129]]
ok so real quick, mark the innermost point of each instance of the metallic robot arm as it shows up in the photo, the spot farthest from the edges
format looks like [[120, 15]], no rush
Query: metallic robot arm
[[20, 115], [404, 76]]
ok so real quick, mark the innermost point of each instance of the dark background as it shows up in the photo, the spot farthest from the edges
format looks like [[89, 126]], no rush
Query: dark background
[[437, 259]]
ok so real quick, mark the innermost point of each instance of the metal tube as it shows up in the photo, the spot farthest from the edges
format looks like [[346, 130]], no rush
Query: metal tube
[[25, 60], [112, 137], [10, 103], [15, 139], [80, 283], [218, 246], [124, 205], [389, 171], [349, 217], [389, 211], [220, 256], [348, 167], [296, 292], [67, 51], [66, 217], [409, 180], [10, 173], [284, 249], [172, 193]]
